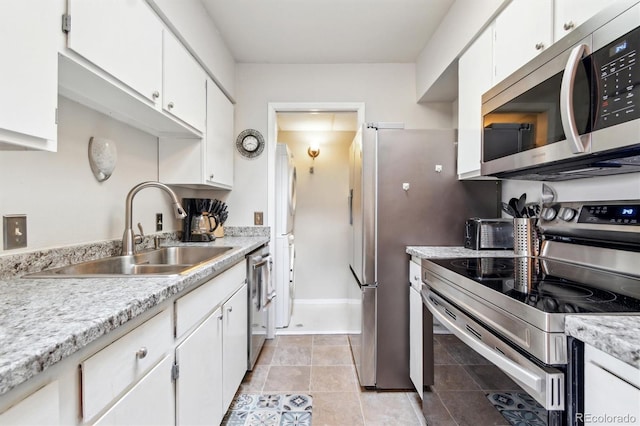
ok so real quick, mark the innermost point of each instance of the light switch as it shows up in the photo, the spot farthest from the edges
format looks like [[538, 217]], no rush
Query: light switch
[[14, 231]]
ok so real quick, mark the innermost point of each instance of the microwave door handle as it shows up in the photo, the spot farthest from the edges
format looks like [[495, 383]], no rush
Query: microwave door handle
[[566, 100]]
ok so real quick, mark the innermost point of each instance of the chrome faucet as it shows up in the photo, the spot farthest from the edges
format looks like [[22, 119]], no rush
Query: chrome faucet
[[128, 238]]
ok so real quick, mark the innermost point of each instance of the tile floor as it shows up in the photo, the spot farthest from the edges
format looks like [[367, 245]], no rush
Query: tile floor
[[322, 366]]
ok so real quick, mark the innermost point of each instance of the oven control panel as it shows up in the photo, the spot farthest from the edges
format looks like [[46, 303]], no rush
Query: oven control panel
[[610, 214]]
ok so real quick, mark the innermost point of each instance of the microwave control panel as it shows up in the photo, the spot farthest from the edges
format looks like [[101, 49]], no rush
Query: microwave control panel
[[618, 81]]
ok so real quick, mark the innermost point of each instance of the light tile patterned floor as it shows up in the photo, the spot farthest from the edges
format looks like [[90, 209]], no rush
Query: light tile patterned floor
[[322, 366]]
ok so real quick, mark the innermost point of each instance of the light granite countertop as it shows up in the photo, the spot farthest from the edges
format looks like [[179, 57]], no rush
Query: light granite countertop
[[443, 252], [617, 335], [44, 320]]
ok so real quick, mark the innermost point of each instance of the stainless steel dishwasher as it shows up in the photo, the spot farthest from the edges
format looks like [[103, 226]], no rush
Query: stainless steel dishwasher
[[260, 295]]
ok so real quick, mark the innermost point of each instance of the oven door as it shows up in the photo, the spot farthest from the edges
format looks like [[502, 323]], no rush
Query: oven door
[[545, 384]]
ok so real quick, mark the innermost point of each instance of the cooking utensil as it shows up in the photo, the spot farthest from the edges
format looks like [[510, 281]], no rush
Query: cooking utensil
[[513, 203], [521, 204], [548, 194], [508, 210]]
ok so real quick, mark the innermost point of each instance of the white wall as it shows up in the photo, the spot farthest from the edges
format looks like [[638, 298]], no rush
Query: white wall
[[464, 20], [321, 222], [388, 91], [619, 187], [57, 191]]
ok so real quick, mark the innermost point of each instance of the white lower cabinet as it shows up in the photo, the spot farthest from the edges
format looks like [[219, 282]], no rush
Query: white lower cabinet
[[112, 370], [198, 389], [40, 408], [211, 356], [611, 390], [415, 327], [149, 402], [234, 344]]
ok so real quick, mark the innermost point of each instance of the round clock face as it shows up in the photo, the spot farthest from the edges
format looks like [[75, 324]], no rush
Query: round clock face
[[250, 143]]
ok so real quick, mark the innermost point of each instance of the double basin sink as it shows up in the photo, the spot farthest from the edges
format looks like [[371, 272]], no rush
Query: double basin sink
[[163, 261]]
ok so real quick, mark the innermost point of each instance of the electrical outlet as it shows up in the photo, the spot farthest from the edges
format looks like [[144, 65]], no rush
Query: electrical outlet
[[14, 230], [158, 222], [257, 218]]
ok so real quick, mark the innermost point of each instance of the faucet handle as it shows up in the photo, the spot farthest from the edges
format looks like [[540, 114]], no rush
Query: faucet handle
[[156, 241], [140, 237]]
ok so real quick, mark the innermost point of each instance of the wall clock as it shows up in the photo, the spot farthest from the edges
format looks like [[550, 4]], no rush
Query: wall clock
[[250, 143]]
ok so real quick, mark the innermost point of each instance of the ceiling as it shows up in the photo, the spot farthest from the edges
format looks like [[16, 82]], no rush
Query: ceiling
[[326, 31]]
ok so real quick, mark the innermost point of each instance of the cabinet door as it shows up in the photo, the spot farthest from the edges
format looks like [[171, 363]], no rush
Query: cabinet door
[[522, 30], [234, 344], [475, 74], [40, 408], [611, 388], [219, 138], [415, 339], [199, 387], [124, 38], [149, 402], [29, 74], [183, 83], [570, 14]]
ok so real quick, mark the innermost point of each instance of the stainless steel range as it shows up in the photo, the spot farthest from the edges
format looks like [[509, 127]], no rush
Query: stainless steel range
[[512, 310]]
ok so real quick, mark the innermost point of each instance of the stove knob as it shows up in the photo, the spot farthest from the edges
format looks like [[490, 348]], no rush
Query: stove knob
[[548, 213], [566, 214]]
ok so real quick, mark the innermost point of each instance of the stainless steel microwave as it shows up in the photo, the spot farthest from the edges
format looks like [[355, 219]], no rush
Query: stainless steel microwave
[[574, 110]]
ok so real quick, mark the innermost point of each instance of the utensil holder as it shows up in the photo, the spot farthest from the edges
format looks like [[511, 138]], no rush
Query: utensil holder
[[526, 238]]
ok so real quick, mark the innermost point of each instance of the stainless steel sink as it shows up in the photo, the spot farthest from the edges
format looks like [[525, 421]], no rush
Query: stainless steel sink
[[159, 262]]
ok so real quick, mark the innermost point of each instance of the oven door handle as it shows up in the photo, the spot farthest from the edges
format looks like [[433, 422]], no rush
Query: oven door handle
[[531, 380]]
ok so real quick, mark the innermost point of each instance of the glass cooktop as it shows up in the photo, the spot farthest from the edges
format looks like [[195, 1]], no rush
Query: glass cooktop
[[551, 286]]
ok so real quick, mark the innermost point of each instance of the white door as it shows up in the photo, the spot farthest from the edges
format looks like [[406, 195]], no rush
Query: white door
[[234, 344], [198, 388]]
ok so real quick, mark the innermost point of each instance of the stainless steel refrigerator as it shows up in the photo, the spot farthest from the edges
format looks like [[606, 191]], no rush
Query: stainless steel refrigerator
[[403, 191]]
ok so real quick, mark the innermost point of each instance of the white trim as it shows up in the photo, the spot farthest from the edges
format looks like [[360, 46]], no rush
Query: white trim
[[326, 301]]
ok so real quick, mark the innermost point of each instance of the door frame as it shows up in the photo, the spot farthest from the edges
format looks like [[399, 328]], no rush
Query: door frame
[[272, 138]]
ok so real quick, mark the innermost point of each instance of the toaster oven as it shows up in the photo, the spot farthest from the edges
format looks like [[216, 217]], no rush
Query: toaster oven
[[488, 234]]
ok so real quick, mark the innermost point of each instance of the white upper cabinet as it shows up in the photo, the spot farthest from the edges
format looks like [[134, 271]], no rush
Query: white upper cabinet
[[475, 76], [521, 31], [29, 74], [570, 14], [219, 138], [184, 93], [206, 162], [122, 60], [124, 38]]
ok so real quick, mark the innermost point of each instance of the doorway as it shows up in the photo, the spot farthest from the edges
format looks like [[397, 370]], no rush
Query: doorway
[[322, 302]]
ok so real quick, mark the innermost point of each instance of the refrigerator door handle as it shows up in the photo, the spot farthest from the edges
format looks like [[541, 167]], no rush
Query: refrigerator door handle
[[351, 206]]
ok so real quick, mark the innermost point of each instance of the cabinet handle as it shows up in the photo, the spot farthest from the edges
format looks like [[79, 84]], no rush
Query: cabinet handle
[[230, 309], [156, 95], [142, 352], [539, 46], [568, 25], [221, 317], [170, 105], [211, 176], [417, 278]]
